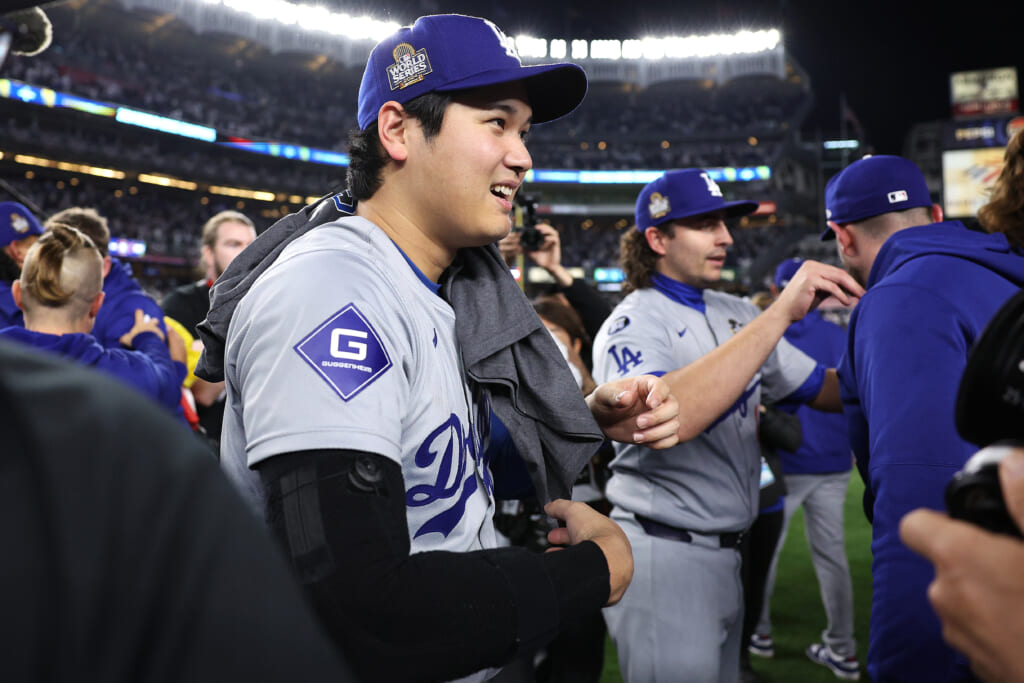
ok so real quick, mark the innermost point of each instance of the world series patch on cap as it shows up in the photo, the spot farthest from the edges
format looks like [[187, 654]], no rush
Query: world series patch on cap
[[682, 194], [871, 186], [448, 52], [17, 223]]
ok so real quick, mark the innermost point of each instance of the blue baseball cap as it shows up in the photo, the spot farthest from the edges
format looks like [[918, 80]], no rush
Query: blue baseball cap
[[786, 270], [445, 52], [17, 223], [872, 186], [682, 194]]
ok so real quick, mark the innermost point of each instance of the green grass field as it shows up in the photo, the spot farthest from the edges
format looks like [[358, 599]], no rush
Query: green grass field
[[797, 615]]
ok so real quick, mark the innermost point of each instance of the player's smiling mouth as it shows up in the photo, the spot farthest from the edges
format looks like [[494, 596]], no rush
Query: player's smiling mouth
[[504, 191]]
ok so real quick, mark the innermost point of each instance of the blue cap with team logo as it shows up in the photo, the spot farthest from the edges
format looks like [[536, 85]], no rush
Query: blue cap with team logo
[[444, 52], [872, 186], [786, 270], [17, 223], [682, 194]]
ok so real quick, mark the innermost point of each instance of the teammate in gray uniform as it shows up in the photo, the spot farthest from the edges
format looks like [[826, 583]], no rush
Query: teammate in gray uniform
[[684, 508], [360, 388]]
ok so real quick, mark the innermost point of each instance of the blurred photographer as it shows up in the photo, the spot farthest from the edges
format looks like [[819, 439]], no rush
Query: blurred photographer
[[587, 301]]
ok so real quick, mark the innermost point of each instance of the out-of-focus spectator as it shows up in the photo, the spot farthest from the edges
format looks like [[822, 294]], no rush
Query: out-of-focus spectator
[[224, 236], [131, 559], [122, 293], [586, 302], [60, 292], [1004, 211], [19, 230]]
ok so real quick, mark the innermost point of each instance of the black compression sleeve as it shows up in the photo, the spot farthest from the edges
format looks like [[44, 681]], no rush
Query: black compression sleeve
[[423, 617]]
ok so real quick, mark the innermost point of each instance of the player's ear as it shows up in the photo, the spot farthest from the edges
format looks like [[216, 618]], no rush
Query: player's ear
[[393, 129], [844, 238], [94, 307], [16, 294], [936, 213], [656, 240]]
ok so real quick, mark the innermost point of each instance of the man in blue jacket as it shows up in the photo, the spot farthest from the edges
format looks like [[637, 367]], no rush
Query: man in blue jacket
[[123, 294], [932, 286], [122, 297]]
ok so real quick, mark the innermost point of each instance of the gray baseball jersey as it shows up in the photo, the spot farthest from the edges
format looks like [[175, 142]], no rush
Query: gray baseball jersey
[[343, 343], [708, 484], [683, 613]]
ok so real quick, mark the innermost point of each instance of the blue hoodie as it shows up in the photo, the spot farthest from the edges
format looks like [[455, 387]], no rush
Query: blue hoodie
[[123, 295], [826, 444], [931, 291], [10, 314], [149, 368]]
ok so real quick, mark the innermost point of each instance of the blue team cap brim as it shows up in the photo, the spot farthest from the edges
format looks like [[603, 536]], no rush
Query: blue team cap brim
[[554, 90], [732, 210]]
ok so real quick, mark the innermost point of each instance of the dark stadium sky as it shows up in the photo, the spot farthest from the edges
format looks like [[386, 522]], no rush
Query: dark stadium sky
[[891, 59]]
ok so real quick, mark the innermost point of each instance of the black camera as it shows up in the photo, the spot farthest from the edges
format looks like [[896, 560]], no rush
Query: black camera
[[530, 238], [990, 413]]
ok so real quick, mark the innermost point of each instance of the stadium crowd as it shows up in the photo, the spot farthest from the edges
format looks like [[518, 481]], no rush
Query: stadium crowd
[[302, 107]]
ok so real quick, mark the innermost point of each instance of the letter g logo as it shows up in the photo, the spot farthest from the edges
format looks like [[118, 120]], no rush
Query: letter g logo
[[357, 350]]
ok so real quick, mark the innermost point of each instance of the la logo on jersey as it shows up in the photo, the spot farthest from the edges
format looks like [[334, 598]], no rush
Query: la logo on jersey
[[658, 206], [411, 66], [713, 189], [346, 352]]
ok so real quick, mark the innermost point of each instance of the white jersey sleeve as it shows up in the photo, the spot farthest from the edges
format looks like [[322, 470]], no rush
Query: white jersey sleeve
[[322, 351]]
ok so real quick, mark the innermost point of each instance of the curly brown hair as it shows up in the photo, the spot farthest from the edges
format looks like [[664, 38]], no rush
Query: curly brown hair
[[1004, 211], [637, 259]]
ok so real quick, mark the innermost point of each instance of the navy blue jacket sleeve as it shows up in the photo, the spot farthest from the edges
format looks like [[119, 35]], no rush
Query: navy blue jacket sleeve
[[149, 368]]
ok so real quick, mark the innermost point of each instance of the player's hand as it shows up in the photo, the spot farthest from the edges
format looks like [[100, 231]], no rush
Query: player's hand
[[978, 591], [510, 248], [549, 253], [549, 256], [584, 523], [813, 283], [637, 410], [143, 323]]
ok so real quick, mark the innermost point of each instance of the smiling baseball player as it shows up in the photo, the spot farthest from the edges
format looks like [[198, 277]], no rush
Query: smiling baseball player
[[364, 362]]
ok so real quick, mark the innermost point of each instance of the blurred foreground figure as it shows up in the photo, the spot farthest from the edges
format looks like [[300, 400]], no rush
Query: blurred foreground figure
[[129, 557]]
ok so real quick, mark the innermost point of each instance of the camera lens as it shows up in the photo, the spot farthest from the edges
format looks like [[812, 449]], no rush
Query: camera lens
[[531, 238]]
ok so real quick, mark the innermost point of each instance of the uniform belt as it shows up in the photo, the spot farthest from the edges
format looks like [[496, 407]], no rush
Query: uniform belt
[[730, 539]]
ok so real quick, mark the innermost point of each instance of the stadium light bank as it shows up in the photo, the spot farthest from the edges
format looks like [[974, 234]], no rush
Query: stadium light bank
[[320, 20]]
